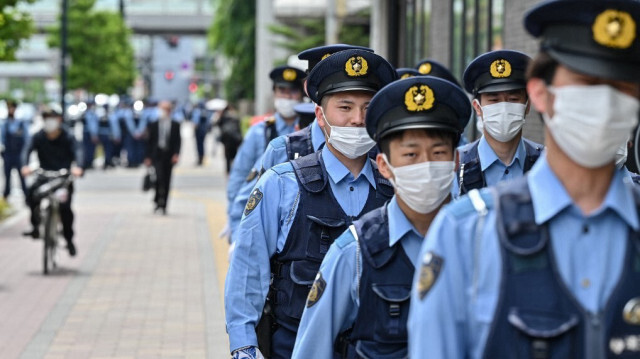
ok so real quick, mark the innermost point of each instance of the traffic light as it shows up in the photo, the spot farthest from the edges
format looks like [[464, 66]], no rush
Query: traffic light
[[193, 87], [169, 75]]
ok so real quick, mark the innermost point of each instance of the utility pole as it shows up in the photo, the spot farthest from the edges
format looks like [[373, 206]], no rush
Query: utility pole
[[122, 8], [63, 56]]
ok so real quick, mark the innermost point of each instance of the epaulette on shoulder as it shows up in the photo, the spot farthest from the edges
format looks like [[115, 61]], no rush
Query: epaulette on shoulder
[[463, 207], [282, 168], [270, 120], [344, 240]]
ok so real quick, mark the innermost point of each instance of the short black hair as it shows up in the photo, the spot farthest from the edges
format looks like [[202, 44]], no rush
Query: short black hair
[[384, 144], [542, 67]]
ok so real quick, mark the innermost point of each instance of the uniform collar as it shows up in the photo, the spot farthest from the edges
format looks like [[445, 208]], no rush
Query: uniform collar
[[399, 224], [282, 126], [488, 156], [550, 197], [338, 171], [317, 136]]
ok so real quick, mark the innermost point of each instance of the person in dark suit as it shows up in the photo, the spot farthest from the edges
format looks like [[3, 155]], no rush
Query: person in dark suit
[[163, 149]]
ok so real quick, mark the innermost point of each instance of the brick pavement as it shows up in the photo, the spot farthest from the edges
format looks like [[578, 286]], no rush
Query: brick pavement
[[142, 286]]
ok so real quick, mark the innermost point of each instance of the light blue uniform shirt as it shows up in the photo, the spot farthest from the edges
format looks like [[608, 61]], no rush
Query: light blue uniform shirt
[[264, 231], [114, 127], [454, 318], [196, 117], [337, 308], [252, 148], [493, 169], [13, 126], [275, 154], [91, 122], [127, 114]]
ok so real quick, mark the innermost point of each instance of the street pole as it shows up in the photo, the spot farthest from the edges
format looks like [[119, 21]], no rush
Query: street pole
[[122, 8], [63, 56]]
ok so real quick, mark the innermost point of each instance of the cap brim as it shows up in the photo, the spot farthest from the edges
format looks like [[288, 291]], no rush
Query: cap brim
[[502, 87], [287, 84], [417, 126], [597, 66], [349, 89]]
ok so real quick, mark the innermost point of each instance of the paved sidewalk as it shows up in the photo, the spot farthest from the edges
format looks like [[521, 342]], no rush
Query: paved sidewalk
[[142, 286]]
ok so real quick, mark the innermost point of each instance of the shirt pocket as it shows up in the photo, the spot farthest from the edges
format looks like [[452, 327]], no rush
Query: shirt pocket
[[322, 232]]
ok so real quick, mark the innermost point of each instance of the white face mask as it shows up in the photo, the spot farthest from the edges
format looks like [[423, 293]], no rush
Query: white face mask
[[503, 120], [621, 154], [590, 122], [423, 186], [284, 107], [50, 125], [479, 124], [352, 142]]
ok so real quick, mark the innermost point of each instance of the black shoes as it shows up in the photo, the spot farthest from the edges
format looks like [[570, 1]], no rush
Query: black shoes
[[72, 248], [34, 233], [162, 210]]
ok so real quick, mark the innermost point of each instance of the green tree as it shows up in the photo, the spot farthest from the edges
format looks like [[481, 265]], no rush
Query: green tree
[[303, 34], [233, 33], [15, 25], [102, 58]]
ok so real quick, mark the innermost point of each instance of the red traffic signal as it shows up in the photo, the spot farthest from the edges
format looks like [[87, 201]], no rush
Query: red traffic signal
[[169, 75], [193, 87]]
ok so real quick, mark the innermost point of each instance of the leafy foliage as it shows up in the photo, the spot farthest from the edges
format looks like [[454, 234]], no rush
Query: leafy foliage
[[233, 34], [14, 26], [102, 58]]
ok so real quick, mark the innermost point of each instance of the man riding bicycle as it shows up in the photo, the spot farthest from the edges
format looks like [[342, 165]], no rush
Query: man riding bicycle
[[56, 149]]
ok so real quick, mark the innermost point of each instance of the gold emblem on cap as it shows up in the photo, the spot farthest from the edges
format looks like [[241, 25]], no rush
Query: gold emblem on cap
[[631, 311], [425, 68], [419, 98], [406, 76], [289, 75], [325, 56], [356, 66], [613, 28], [500, 68]]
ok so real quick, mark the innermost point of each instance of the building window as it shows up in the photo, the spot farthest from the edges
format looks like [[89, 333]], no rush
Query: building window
[[477, 27]]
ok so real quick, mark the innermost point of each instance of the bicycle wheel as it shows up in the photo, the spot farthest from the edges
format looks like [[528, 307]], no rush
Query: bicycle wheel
[[49, 240]]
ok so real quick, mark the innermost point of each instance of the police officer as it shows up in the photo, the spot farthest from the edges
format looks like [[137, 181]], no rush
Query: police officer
[[108, 134], [90, 126], [201, 119], [287, 92], [405, 72], [299, 207], [431, 67], [290, 146], [14, 135], [497, 82], [545, 266], [416, 123]]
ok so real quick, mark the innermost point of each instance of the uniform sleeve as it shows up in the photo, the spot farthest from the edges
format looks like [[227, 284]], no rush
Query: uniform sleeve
[[245, 158], [128, 119], [92, 123], [26, 151], [336, 308], [436, 319], [249, 272], [237, 207], [275, 153]]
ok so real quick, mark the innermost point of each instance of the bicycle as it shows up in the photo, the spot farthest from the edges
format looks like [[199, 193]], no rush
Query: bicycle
[[53, 191]]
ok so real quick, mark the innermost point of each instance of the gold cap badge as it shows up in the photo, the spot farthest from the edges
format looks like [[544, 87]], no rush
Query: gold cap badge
[[356, 66], [419, 98], [613, 28], [425, 68], [406, 76], [325, 56], [500, 68], [289, 75], [631, 311]]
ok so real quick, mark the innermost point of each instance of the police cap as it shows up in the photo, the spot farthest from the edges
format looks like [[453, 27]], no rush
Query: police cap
[[594, 37], [405, 72], [306, 113], [436, 69], [349, 70], [287, 76], [500, 70], [317, 54], [418, 102]]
